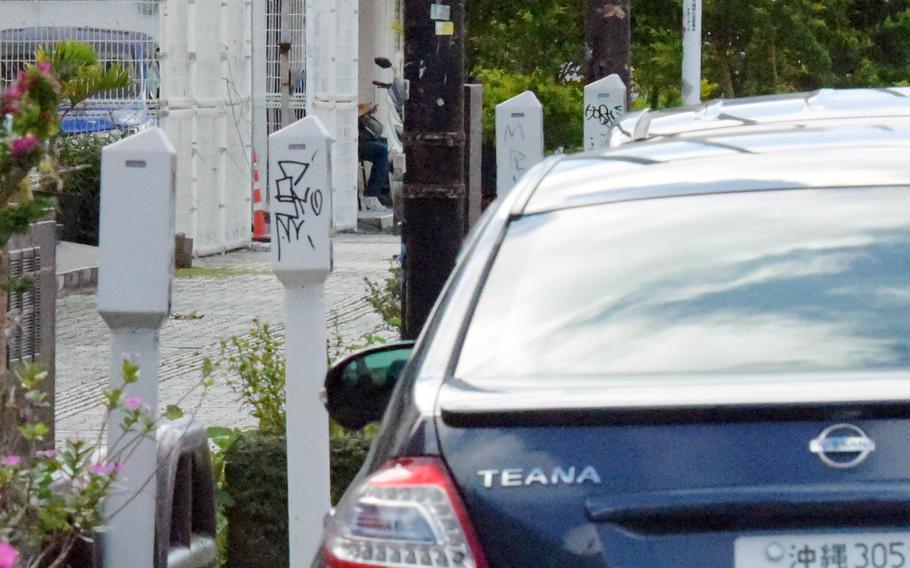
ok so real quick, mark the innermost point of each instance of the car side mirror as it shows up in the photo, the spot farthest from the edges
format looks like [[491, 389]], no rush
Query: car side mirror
[[383, 62], [358, 388]]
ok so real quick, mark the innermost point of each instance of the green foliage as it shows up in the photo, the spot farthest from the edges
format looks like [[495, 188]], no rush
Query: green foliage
[[251, 474], [755, 47], [527, 37], [30, 107], [16, 217], [385, 297], [221, 441], [562, 104], [256, 370], [255, 497], [250, 467], [79, 204], [348, 452], [80, 156], [80, 73], [70, 73], [51, 500], [751, 47]]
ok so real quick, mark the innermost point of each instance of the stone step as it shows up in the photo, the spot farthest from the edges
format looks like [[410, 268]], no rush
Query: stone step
[[380, 219]]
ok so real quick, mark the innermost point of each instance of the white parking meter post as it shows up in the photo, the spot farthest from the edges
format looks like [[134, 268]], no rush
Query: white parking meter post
[[135, 272], [300, 195], [519, 139], [605, 105]]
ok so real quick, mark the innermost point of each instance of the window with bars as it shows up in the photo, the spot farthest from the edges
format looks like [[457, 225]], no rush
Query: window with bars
[[285, 19]]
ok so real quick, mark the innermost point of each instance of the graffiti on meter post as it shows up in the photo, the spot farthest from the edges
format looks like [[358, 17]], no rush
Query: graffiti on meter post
[[299, 201], [517, 158], [604, 114]]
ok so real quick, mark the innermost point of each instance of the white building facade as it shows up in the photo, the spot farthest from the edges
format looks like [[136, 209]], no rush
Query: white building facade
[[190, 62], [209, 73]]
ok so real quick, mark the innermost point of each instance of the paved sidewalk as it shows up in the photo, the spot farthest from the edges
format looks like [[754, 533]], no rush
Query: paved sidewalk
[[217, 300]]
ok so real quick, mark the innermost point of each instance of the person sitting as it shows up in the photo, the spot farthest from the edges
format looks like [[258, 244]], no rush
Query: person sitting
[[374, 148]]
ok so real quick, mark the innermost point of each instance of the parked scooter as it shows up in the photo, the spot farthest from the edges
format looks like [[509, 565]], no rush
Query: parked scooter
[[391, 114], [397, 89]]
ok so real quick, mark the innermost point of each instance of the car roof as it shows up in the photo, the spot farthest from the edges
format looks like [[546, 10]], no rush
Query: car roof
[[859, 151], [824, 104]]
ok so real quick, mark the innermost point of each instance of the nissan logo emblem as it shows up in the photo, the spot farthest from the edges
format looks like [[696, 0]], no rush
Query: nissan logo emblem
[[842, 446]]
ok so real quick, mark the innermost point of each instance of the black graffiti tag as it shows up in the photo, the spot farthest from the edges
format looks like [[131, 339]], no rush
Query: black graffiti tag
[[607, 116], [290, 221]]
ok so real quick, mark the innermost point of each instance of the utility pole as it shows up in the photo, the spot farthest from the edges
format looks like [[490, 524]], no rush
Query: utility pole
[[691, 66], [608, 38], [434, 186]]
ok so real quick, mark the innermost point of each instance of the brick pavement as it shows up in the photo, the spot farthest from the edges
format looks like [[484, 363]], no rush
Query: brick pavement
[[220, 302]]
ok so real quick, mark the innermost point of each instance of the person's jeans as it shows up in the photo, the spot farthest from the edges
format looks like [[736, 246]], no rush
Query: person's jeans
[[377, 153]]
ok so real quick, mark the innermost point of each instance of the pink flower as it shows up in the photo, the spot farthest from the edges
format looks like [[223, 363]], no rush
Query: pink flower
[[8, 555], [118, 467], [15, 91], [45, 67], [103, 468], [46, 454], [11, 460], [133, 403], [23, 145], [9, 104]]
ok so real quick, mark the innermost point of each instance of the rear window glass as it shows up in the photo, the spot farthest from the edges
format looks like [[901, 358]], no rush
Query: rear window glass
[[783, 281]]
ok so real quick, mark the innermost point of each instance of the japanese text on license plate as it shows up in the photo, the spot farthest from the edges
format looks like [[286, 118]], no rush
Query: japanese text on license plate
[[824, 551]]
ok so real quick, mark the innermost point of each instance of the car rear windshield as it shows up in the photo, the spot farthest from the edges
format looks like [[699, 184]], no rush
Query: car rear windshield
[[782, 281]]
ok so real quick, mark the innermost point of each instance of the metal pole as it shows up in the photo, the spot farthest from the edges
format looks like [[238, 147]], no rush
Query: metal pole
[[691, 66], [608, 36], [434, 187], [284, 80]]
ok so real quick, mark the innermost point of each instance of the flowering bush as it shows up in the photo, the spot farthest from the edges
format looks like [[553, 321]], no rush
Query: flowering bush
[[30, 122], [51, 499], [29, 116]]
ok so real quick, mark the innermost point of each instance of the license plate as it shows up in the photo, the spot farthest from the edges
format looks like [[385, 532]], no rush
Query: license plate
[[844, 550]]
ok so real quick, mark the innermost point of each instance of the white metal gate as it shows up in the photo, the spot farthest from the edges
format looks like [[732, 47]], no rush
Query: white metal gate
[[276, 22], [285, 23]]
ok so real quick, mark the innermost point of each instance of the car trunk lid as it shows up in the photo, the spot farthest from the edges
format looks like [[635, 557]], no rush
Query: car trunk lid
[[630, 484]]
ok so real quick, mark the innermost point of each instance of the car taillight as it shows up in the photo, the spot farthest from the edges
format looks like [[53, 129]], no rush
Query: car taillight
[[406, 514]]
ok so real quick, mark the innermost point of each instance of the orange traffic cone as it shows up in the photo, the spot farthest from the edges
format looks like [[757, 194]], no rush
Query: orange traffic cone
[[260, 217]]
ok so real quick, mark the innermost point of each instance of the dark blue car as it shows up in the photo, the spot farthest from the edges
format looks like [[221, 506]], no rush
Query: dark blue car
[[691, 351]]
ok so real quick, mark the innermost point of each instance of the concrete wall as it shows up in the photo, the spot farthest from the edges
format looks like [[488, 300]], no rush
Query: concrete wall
[[379, 20], [124, 15], [41, 238]]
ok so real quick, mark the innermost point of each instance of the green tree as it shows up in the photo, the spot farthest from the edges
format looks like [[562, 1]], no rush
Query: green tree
[[535, 45], [81, 76], [750, 47], [532, 36]]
